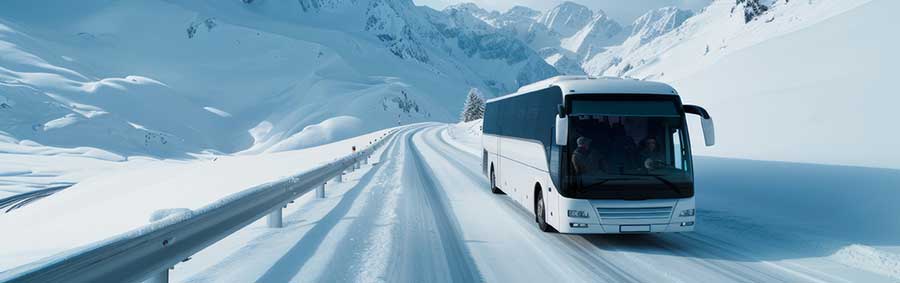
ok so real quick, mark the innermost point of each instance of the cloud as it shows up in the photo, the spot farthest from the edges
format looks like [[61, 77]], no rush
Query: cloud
[[623, 11]]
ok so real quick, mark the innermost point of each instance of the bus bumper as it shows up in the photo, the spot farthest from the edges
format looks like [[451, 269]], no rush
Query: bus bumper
[[586, 228], [627, 217]]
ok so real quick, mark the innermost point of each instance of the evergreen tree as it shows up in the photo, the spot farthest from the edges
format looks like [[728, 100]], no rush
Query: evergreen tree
[[752, 9], [474, 107]]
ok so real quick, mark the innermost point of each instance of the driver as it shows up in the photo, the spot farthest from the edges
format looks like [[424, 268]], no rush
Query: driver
[[583, 159], [650, 156]]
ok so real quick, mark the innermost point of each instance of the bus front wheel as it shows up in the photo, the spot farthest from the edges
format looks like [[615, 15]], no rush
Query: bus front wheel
[[540, 213]]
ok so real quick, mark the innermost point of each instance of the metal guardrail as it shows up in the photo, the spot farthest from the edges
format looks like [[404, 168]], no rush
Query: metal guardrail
[[149, 252]]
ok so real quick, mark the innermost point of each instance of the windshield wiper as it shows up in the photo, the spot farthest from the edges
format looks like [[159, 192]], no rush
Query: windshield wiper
[[661, 179], [600, 183]]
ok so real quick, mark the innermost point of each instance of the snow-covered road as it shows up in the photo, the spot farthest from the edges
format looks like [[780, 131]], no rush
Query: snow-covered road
[[423, 213]]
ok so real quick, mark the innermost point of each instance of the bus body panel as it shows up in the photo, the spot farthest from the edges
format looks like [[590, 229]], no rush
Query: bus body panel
[[523, 166]]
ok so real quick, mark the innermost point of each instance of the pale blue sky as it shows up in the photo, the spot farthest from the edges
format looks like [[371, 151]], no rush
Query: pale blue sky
[[623, 11]]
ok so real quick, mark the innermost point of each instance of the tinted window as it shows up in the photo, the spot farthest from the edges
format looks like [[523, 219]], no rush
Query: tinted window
[[528, 116], [625, 108], [490, 119]]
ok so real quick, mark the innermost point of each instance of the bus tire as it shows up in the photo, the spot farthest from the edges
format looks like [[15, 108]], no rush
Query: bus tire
[[494, 188], [540, 212]]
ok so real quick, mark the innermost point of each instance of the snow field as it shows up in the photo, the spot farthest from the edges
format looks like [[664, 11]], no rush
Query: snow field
[[125, 199]]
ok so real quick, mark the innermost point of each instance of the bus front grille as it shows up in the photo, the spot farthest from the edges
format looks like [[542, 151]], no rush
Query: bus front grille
[[611, 213]]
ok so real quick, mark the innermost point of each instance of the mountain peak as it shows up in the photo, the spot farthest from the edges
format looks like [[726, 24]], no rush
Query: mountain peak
[[571, 5], [468, 6], [658, 22], [567, 18], [522, 11], [598, 34]]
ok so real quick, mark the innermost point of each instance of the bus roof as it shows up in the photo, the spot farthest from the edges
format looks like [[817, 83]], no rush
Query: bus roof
[[591, 85]]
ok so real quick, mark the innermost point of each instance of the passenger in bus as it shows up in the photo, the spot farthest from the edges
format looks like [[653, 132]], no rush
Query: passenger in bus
[[650, 156], [621, 149], [599, 133], [584, 161]]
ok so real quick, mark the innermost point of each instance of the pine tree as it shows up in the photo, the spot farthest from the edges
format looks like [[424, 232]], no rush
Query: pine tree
[[752, 9], [474, 107]]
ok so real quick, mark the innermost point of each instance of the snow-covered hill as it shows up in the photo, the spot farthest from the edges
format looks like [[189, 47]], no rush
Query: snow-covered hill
[[567, 18], [821, 94], [645, 29], [113, 80], [570, 36], [805, 81], [721, 29], [594, 37], [163, 78]]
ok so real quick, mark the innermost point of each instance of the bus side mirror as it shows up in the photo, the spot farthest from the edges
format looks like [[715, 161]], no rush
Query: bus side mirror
[[560, 111], [562, 131], [709, 129]]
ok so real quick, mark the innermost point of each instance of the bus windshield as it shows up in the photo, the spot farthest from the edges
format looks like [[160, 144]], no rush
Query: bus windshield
[[615, 149]]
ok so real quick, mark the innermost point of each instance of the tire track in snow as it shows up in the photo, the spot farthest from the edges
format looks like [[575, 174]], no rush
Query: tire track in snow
[[590, 248], [290, 264], [588, 251], [715, 246], [429, 246], [589, 261], [354, 257]]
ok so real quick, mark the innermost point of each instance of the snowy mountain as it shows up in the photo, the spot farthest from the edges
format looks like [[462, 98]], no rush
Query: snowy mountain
[[645, 29], [519, 22], [658, 22], [718, 31], [237, 76], [803, 81], [571, 35], [723, 55], [479, 46], [238, 95], [600, 33], [567, 18], [547, 32]]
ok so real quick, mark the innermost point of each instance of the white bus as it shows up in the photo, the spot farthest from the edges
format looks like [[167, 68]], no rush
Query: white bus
[[589, 155]]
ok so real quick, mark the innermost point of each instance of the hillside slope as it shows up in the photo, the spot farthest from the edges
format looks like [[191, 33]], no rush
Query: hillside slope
[[167, 78], [821, 94]]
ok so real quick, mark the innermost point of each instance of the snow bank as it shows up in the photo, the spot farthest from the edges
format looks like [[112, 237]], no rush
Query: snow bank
[[124, 200], [330, 130]]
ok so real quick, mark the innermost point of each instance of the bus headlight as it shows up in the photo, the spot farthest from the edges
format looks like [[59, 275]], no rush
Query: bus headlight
[[686, 213], [578, 213]]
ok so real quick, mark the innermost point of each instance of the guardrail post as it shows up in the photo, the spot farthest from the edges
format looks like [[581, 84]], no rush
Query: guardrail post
[[320, 191], [161, 277], [274, 218]]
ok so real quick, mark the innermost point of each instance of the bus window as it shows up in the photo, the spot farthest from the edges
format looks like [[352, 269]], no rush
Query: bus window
[[616, 148]]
